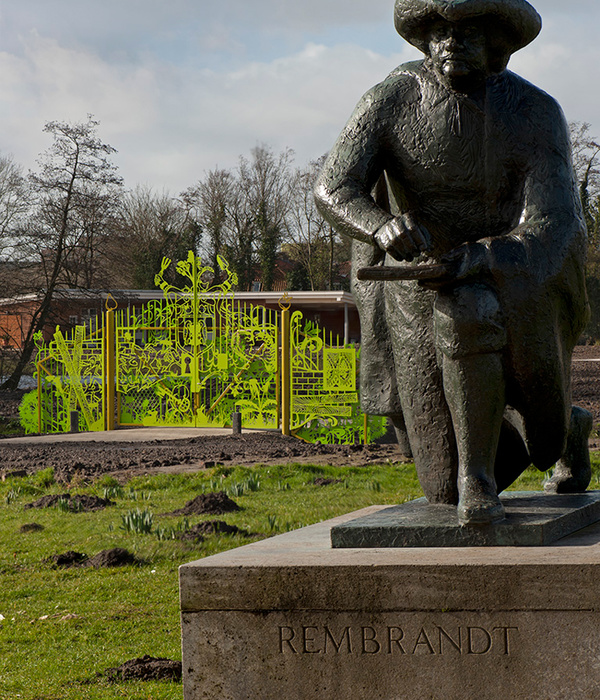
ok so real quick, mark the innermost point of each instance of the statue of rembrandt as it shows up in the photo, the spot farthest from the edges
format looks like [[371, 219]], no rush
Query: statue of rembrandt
[[462, 169]]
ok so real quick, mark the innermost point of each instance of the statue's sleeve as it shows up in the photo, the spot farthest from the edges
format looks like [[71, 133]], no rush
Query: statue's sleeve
[[343, 192], [551, 233], [537, 268]]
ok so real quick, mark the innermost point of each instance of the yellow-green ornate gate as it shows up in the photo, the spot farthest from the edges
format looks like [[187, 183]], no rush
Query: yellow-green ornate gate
[[195, 357]]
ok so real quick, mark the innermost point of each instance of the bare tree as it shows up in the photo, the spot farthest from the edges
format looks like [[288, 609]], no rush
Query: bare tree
[[264, 202], [242, 213], [15, 202], [74, 180], [212, 199], [310, 240], [586, 161], [152, 226]]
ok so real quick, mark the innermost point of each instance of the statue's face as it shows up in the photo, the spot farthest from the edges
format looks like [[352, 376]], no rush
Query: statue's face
[[459, 53]]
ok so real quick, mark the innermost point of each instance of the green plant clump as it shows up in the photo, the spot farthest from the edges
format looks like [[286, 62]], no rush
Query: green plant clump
[[139, 521], [28, 412]]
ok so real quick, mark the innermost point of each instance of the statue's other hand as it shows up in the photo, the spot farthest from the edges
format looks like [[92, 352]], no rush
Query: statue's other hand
[[469, 259], [465, 261], [403, 238]]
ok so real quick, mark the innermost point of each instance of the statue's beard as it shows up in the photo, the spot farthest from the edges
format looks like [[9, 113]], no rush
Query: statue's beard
[[460, 73]]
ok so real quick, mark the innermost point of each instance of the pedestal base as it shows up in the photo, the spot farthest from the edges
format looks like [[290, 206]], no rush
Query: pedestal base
[[291, 618], [532, 519]]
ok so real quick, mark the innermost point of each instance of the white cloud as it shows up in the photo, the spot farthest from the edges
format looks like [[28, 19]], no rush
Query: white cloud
[[142, 68], [171, 124], [50, 82], [565, 61]]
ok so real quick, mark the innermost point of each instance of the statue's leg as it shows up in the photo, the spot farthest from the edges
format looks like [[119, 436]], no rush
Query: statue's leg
[[572, 472], [475, 391], [471, 338], [401, 434], [428, 422]]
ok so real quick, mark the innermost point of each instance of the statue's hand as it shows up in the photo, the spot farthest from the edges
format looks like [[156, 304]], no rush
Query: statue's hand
[[464, 261], [403, 238]]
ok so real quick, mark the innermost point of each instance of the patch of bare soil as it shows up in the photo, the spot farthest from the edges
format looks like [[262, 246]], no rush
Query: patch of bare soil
[[118, 556], [83, 462], [326, 481], [208, 527], [147, 668], [30, 527], [210, 503], [76, 503], [66, 559]]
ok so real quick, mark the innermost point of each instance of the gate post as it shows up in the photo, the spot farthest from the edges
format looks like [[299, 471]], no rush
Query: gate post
[[109, 370], [39, 396], [286, 374]]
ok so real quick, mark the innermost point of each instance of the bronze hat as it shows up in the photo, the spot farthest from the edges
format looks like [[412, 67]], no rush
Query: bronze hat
[[519, 20]]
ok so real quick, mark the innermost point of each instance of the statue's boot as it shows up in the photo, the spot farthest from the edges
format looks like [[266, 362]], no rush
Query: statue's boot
[[479, 503], [573, 472], [401, 435]]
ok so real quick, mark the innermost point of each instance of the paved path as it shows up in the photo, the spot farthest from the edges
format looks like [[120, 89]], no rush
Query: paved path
[[122, 435]]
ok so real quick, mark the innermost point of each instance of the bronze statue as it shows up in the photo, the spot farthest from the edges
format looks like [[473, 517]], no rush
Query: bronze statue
[[463, 169]]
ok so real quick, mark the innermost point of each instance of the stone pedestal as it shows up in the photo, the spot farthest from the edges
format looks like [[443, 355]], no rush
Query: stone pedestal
[[290, 618]]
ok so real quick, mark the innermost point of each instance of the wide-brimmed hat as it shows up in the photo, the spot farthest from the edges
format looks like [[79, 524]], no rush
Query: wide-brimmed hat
[[516, 19]]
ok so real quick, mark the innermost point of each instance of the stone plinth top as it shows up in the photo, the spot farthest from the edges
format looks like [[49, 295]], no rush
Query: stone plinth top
[[300, 570]]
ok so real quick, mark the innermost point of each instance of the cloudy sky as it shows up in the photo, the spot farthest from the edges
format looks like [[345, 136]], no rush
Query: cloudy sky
[[181, 86]]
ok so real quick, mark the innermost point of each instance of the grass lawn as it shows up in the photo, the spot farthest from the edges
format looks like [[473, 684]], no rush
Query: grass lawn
[[61, 628]]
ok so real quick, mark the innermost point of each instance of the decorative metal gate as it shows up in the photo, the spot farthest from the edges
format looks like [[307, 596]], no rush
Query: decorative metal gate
[[323, 388], [70, 377], [195, 357]]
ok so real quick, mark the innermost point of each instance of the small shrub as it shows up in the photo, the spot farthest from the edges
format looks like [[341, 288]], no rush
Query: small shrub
[[13, 494], [106, 481], [238, 489], [253, 483], [164, 533], [214, 485], [172, 533], [134, 495], [69, 506], [28, 412], [272, 520]]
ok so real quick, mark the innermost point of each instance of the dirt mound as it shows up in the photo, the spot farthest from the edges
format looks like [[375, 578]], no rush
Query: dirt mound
[[112, 557], [208, 527], [210, 503], [30, 527], [325, 481], [78, 504], [66, 559], [147, 668]]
